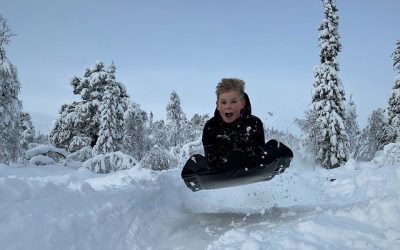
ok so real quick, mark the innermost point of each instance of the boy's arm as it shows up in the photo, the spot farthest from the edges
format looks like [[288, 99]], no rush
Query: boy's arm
[[259, 136], [210, 146]]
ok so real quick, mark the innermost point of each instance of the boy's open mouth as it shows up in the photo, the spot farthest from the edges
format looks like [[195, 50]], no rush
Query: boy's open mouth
[[228, 114]]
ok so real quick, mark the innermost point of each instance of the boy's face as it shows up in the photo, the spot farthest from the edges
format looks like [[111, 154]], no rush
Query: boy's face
[[229, 105]]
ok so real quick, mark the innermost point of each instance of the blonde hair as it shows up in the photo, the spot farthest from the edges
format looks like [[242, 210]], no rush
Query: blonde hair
[[227, 84]]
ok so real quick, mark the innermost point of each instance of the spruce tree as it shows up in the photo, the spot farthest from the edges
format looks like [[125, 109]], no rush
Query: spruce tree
[[310, 134], [194, 127], [328, 94], [109, 135], [136, 141], [176, 120], [373, 137], [66, 127], [394, 99], [10, 105], [97, 119], [159, 134], [396, 56], [91, 88], [352, 127], [28, 130]]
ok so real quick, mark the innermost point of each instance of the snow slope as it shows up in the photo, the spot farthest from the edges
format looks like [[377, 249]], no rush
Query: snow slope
[[56, 207]]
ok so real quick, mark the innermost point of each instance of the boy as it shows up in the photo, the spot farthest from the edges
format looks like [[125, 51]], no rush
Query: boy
[[234, 145]]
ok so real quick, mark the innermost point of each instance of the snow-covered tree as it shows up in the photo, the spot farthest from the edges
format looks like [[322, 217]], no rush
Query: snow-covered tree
[[78, 142], [394, 99], [283, 136], [136, 140], [158, 134], [28, 130], [352, 127], [111, 116], [41, 138], [176, 120], [5, 36], [110, 162], [194, 127], [310, 134], [91, 88], [10, 105], [396, 56], [374, 136], [99, 114], [328, 94], [67, 127], [159, 159]]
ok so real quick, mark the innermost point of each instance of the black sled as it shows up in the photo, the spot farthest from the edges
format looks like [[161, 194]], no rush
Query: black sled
[[198, 176]]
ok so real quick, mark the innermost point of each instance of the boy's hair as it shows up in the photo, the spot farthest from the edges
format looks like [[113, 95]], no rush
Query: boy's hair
[[227, 84]]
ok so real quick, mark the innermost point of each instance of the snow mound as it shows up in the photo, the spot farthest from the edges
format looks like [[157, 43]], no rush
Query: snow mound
[[110, 162], [58, 207], [391, 153], [45, 155], [41, 160]]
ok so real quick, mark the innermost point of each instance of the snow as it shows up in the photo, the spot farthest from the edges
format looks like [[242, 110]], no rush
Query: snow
[[105, 163], [355, 206], [41, 160], [44, 149]]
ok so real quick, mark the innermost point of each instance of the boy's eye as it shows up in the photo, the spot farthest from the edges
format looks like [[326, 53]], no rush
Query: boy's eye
[[234, 101]]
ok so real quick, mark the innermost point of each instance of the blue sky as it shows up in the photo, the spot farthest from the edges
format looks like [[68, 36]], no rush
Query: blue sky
[[188, 46]]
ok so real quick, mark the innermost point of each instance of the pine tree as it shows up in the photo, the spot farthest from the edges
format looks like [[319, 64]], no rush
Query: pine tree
[[112, 107], [67, 126], [91, 88], [394, 99], [396, 56], [10, 105], [158, 134], [176, 120], [194, 128], [28, 130], [310, 134], [97, 119], [136, 141], [374, 135], [41, 138], [328, 95], [352, 127], [78, 142], [109, 135], [5, 37]]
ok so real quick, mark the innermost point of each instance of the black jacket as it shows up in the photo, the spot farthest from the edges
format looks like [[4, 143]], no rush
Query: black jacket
[[238, 143]]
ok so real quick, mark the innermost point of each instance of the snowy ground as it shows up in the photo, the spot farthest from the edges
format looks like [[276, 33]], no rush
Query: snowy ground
[[57, 207]]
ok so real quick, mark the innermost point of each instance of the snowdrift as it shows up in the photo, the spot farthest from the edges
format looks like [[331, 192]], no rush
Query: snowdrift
[[58, 207]]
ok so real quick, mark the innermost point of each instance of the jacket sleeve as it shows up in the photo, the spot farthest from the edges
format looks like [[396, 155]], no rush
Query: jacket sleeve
[[259, 135], [211, 146]]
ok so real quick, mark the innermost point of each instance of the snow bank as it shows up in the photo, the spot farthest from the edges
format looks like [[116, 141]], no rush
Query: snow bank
[[358, 210], [110, 162], [57, 207], [390, 155], [41, 160], [44, 149], [45, 155]]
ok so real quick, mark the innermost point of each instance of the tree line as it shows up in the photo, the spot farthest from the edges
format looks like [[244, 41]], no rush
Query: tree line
[[105, 120]]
